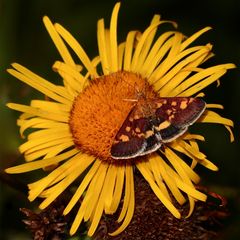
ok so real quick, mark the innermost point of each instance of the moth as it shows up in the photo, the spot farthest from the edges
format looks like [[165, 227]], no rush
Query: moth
[[153, 122]]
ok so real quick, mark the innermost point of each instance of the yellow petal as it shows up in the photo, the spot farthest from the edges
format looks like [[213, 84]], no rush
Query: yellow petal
[[121, 49], [168, 62], [170, 182], [191, 149], [80, 190], [219, 106], [110, 182], [147, 44], [140, 45], [39, 186], [96, 216], [95, 191], [183, 65], [102, 47], [127, 194], [77, 221], [38, 112], [76, 48], [129, 50], [118, 189], [71, 76], [79, 165], [48, 152], [206, 163], [57, 93], [157, 52], [58, 42], [44, 144], [190, 190], [185, 186], [156, 173], [113, 38], [190, 87], [131, 204], [27, 167], [103, 199], [188, 170], [191, 206], [143, 169], [196, 35], [38, 123], [189, 136], [175, 160], [87, 201], [212, 117], [178, 64]]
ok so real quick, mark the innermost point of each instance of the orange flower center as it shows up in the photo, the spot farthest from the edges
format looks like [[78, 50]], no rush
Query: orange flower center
[[100, 110]]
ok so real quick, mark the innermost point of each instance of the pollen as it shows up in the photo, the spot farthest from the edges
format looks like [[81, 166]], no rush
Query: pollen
[[100, 110]]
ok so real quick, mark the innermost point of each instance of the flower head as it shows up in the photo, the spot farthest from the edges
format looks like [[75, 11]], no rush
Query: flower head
[[75, 127]]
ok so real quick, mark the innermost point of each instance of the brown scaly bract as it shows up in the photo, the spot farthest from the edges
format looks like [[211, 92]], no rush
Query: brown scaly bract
[[48, 224]]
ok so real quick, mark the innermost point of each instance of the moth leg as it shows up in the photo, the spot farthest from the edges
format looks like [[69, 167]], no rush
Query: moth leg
[[162, 148]]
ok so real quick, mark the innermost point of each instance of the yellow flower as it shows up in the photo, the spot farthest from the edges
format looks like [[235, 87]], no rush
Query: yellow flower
[[76, 124]]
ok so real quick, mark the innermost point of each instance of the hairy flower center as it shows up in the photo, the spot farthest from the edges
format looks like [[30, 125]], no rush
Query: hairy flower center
[[100, 110]]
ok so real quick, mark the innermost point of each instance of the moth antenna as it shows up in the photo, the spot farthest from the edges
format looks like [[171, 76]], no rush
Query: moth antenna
[[136, 88]]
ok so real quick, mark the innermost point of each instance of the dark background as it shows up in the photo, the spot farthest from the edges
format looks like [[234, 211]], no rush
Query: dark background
[[24, 39]]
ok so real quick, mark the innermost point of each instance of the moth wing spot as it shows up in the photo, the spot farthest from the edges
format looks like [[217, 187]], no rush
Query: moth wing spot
[[191, 100], [131, 119], [136, 117], [115, 141], [174, 103], [141, 135], [124, 138], [169, 112], [137, 130], [183, 104], [171, 117], [162, 125], [128, 129], [149, 133]]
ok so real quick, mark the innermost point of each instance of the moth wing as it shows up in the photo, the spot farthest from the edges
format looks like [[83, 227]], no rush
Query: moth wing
[[128, 149], [176, 114], [153, 143], [140, 135], [129, 142]]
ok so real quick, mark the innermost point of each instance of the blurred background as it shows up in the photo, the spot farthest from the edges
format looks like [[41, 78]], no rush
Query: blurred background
[[23, 39]]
